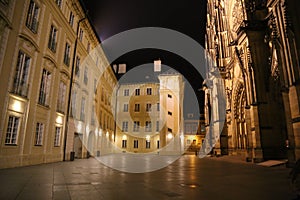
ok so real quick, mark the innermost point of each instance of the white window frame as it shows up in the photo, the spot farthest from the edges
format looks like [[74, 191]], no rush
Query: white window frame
[[21, 79], [45, 86], [12, 130], [57, 136], [39, 133]]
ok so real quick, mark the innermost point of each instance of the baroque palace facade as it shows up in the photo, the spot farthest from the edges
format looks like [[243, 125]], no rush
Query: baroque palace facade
[[255, 46], [42, 43], [149, 116]]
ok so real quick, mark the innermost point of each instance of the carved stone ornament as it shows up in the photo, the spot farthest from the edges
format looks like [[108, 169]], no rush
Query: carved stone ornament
[[237, 15]]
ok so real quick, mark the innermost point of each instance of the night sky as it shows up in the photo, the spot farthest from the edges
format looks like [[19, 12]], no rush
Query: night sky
[[110, 17]]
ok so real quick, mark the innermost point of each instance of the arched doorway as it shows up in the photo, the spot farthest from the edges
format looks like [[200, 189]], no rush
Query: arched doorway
[[241, 131]]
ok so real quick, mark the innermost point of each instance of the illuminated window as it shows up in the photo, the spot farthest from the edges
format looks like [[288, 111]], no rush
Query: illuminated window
[[148, 107], [149, 91], [137, 92], [136, 107], [80, 34], [71, 19], [125, 108], [157, 126], [67, 54], [126, 92], [148, 127], [61, 97], [45, 88], [147, 144], [32, 16], [52, 39], [57, 136], [124, 143], [77, 64], [12, 130], [39, 134], [58, 2], [136, 126], [125, 126], [20, 85]]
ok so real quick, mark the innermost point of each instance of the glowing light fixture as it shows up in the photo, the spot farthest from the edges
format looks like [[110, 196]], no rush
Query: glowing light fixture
[[170, 136], [59, 119], [17, 106]]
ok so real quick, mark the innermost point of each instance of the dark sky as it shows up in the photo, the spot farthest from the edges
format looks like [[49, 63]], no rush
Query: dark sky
[[188, 17]]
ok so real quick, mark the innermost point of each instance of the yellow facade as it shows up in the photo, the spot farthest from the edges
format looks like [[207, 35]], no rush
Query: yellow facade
[[36, 54], [149, 116]]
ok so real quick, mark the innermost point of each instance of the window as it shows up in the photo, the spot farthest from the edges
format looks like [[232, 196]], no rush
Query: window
[[71, 19], [82, 111], [148, 126], [158, 107], [135, 144], [88, 47], [169, 113], [93, 115], [52, 39], [169, 130], [147, 144], [124, 143], [125, 126], [32, 16], [169, 96], [95, 85], [77, 69], [20, 85], [148, 107], [157, 144], [136, 107], [58, 2], [137, 92], [67, 54], [136, 126], [61, 97], [73, 107], [80, 34], [57, 136], [149, 91], [12, 130], [126, 92], [39, 134], [125, 108], [85, 77], [157, 126], [45, 88]]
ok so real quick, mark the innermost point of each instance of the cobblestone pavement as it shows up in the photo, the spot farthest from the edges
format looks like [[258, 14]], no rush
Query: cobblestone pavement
[[187, 178]]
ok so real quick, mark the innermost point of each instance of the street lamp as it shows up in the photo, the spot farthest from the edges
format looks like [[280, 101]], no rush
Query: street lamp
[[70, 89]]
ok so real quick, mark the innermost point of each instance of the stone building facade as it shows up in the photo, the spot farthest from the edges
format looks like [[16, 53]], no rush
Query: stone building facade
[[254, 45], [37, 55], [149, 116]]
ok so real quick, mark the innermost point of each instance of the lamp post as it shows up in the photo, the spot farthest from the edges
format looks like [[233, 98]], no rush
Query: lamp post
[[70, 90]]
